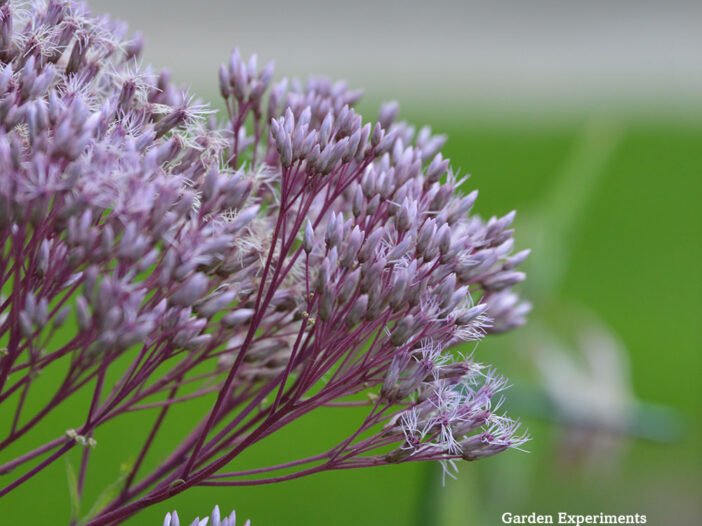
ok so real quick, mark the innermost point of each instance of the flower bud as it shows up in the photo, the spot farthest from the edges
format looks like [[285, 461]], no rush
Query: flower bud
[[370, 244], [323, 275], [83, 313], [446, 289], [285, 150], [377, 135], [244, 217], [477, 446], [516, 260], [372, 205], [26, 324], [401, 249], [388, 114], [237, 317], [326, 303], [325, 130], [426, 234], [308, 237], [437, 168], [399, 454], [399, 288], [416, 293], [373, 274], [349, 286], [471, 423], [443, 235], [357, 312], [408, 215], [358, 205], [465, 317], [213, 305], [224, 82], [503, 280], [61, 316], [352, 247], [403, 331], [397, 367], [191, 290]]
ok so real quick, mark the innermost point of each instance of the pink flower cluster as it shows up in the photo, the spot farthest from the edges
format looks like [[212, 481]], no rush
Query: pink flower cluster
[[287, 258]]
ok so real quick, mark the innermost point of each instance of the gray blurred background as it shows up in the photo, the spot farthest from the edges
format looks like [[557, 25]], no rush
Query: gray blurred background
[[524, 56]]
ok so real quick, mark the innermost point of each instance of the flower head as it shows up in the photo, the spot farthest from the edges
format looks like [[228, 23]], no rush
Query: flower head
[[290, 257]]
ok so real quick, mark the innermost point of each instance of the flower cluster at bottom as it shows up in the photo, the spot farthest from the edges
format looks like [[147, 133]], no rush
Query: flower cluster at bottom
[[215, 519]]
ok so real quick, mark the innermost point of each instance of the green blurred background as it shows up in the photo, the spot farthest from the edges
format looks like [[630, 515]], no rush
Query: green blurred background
[[603, 165]]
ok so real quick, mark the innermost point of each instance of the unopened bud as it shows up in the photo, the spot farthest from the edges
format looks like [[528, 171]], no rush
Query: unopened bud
[[516, 260], [477, 446], [437, 168], [349, 286], [469, 315], [83, 313], [370, 244], [191, 290], [352, 247], [388, 113], [326, 304], [407, 216], [402, 331], [373, 274], [214, 305], [503, 280], [444, 238], [357, 312], [399, 288], [308, 237], [237, 317]]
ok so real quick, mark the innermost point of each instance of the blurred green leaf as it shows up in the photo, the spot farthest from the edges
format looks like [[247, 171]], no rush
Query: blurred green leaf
[[73, 491], [109, 493]]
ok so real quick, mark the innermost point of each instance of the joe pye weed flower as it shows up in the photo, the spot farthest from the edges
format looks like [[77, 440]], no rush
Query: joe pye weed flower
[[287, 258]]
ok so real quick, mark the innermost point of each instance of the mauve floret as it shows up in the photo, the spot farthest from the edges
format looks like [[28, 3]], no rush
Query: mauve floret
[[215, 519], [289, 257]]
